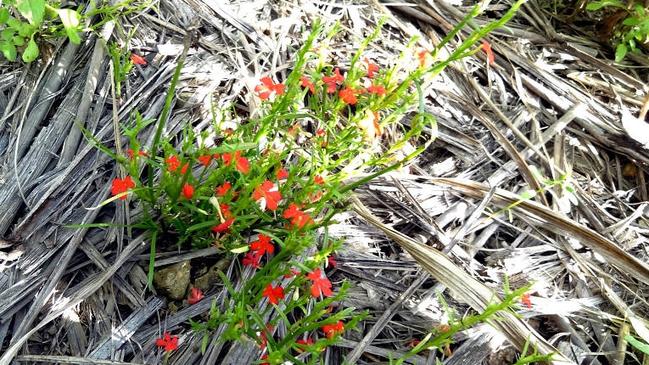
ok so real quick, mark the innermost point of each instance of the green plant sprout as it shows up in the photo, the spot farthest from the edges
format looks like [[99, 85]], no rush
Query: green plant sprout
[[21, 21], [633, 30]]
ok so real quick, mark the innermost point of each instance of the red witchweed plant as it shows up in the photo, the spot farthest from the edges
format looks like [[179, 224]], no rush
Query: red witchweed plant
[[276, 179]]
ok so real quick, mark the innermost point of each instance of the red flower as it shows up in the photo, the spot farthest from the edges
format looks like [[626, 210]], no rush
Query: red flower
[[205, 160], [167, 342], [319, 180], [274, 294], [223, 189], [131, 153], [320, 132], [305, 82], [291, 273], [223, 227], [282, 174], [225, 210], [183, 169], [525, 299], [120, 186], [332, 81], [137, 59], [348, 95], [251, 259], [331, 330], [372, 68], [486, 47], [298, 218], [173, 163], [424, 58], [195, 296], [320, 285], [302, 343], [262, 245], [241, 163], [188, 191], [331, 261], [269, 193], [267, 87], [376, 89]]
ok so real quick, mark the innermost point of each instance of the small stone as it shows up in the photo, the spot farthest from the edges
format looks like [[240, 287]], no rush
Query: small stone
[[210, 278], [172, 281]]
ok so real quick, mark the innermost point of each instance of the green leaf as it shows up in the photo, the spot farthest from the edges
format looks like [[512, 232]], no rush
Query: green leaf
[[32, 10], [70, 19], [26, 29], [8, 50], [7, 34], [637, 344], [4, 15], [31, 52], [18, 41], [620, 52]]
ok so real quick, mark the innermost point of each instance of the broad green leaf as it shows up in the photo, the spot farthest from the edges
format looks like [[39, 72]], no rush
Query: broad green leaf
[[8, 50], [31, 52], [70, 19], [26, 29], [32, 10], [620, 52], [4, 15], [18, 41], [7, 34]]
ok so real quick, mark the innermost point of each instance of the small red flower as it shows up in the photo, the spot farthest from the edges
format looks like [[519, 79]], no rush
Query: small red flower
[[319, 180], [223, 227], [205, 160], [291, 273], [274, 294], [183, 170], [223, 189], [372, 68], [252, 259], [331, 261], [269, 193], [331, 330], [320, 132], [267, 87], [376, 89], [305, 82], [138, 60], [425, 58], [241, 163], [282, 174], [122, 185], [131, 153], [168, 342], [320, 285], [525, 299], [302, 343], [173, 163], [195, 296], [262, 245], [225, 210], [332, 81], [486, 47], [348, 95], [188, 191], [298, 218]]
